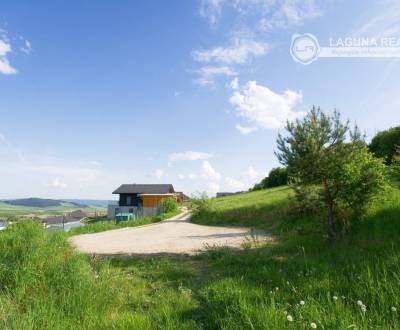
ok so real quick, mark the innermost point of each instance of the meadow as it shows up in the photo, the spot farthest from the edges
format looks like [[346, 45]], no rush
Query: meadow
[[300, 280]]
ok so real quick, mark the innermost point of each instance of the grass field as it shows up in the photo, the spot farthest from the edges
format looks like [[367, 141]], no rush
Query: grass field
[[297, 281]]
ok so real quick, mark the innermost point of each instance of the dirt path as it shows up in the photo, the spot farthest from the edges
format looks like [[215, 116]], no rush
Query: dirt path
[[173, 236]]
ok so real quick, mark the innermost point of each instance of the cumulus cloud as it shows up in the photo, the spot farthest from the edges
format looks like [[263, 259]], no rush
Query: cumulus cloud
[[211, 176], [5, 66], [235, 184], [240, 52], [247, 179], [234, 84], [263, 108], [188, 156]]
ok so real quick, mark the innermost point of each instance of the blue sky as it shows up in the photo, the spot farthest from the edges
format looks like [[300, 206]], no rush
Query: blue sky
[[98, 93]]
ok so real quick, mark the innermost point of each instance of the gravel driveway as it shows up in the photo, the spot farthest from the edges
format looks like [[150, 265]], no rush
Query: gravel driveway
[[173, 236]]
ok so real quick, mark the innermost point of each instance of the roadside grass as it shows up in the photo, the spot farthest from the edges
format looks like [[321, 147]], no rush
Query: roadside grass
[[98, 225], [46, 284]]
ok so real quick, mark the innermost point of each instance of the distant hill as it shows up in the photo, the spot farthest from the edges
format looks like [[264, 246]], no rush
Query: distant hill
[[42, 202], [91, 202]]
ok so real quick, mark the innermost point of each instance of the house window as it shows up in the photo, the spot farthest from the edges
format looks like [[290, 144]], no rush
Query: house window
[[130, 210], [128, 200]]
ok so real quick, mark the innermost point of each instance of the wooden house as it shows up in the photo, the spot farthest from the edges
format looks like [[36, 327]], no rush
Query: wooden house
[[140, 199]]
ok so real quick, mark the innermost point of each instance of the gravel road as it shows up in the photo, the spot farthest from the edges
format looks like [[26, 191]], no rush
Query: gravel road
[[173, 236]]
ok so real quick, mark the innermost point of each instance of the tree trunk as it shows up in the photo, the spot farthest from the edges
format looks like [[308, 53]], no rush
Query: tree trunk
[[329, 206]]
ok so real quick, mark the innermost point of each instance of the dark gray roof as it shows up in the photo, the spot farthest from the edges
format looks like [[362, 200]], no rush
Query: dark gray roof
[[145, 189]]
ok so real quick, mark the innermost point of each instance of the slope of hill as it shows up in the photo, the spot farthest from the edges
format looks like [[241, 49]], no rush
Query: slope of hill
[[40, 202]]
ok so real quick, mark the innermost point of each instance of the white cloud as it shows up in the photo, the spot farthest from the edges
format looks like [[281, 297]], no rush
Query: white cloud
[[211, 10], [246, 129], [208, 74], [251, 174], [263, 108], [234, 84], [289, 13], [159, 173], [211, 177], [209, 173], [188, 156], [248, 178], [5, 66], [95, 163], [271, 14], [181, 176], [235, 184], [57, 184], [240, 52]]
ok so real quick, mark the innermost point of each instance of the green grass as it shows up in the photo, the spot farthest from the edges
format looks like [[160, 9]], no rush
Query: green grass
[[45, 284], [95, 225], [259, 209]]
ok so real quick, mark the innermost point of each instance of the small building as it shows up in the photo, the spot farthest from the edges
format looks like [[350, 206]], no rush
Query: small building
[[181, 197], [139, 199]]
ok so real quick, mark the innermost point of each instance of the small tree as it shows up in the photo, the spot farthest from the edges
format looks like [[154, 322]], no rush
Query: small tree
[[320, 150], [167, 205]]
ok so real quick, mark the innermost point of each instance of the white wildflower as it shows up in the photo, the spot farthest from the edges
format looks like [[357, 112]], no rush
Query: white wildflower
[[363, 308], [313, 325], [289, 318], [359, 303], [335, 298], [285, 312], [393, 309], [302, 303], [276, 289]]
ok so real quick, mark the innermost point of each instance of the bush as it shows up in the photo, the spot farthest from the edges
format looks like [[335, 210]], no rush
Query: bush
[[276, 177], [384, 144], [167, 205], [200, 204]]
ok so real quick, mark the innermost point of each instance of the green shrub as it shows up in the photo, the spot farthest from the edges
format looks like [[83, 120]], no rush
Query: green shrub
[[200, 204], [167, 205], [276, 177], [384, 144]]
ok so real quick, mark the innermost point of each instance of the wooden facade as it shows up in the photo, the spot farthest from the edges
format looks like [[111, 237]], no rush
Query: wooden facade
[[152, 200]]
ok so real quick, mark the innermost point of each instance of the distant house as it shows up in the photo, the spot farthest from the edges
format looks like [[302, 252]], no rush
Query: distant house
[[223, 194], [139, 199], [181, 197]]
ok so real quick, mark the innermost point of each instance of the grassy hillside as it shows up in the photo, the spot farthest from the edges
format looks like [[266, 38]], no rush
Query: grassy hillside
[[256, 209], [46, 284]]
